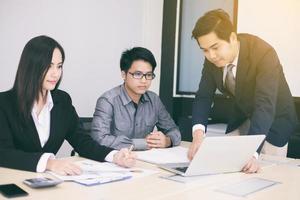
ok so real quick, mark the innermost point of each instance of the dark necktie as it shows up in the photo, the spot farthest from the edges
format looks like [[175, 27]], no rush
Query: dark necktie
[[230, 80]]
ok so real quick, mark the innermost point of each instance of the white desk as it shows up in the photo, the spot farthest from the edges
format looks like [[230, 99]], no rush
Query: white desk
[[154, 187]]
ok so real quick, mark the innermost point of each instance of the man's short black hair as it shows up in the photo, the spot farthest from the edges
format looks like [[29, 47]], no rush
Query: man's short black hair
[[217, 21], [134, 54]]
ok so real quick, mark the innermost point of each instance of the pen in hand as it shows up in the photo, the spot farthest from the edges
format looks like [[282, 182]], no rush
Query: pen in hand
[[130, 148], [130, 157], [127, 155]]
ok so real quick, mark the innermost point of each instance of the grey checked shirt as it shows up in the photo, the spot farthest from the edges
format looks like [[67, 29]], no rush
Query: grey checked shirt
[[118, 124]]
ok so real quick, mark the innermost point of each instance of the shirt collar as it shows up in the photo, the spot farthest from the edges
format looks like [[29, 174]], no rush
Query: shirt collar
[[49, 101], [235, 61], [124, 96], [48, 104], [126, 99]]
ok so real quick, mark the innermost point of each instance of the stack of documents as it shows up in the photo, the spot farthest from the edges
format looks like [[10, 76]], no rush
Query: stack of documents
[[97, 173], [164, 156]]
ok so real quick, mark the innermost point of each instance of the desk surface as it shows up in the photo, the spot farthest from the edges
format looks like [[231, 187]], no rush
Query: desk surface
[[285, 171]]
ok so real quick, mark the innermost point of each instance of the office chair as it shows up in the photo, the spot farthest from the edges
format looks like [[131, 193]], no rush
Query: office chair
[[294, 144]]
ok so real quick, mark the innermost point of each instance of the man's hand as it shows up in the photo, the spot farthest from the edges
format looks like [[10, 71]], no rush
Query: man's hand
[[251, 166], [198, 137], [125, 158], [63, 167], [158, 140]]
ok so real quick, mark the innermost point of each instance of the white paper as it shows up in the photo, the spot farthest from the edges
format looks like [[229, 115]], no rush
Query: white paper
[[102, 180], [164, 155], [90, 165], [92, 169], [94, 172], [106, 168]]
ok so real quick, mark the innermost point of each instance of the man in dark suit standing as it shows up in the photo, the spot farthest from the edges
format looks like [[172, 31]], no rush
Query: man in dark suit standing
[[246, 68]]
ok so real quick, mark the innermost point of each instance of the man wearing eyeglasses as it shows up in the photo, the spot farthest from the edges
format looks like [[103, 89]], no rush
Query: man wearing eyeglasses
[[127, 114]]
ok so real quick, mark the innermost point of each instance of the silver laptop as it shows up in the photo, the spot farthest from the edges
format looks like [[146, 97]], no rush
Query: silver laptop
[[222, 154]]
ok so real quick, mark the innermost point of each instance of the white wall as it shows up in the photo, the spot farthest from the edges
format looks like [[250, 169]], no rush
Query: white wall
[[93, 34], [277, 22]]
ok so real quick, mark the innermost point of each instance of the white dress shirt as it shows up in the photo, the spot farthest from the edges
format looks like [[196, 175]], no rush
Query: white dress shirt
[[42, 124]]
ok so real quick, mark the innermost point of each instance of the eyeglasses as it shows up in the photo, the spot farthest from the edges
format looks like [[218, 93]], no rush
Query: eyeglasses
[[140, 75]]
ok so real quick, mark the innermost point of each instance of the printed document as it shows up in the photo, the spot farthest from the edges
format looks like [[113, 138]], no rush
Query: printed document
[[102, 172]]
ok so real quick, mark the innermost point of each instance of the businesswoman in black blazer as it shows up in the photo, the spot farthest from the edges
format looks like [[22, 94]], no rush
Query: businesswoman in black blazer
[[36, 117]]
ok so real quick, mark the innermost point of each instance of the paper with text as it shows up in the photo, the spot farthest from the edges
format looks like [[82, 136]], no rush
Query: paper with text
[[94, 172]]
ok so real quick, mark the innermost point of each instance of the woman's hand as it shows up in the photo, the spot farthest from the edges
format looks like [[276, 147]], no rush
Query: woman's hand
[[125, 158], [63, 167]]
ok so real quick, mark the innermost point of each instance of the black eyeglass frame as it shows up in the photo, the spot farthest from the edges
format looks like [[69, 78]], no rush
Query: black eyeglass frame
[[143, 75]]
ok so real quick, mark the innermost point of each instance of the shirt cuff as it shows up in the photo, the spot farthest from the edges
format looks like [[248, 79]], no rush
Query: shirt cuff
[[42, 164], [199, 126], [139, 144], [255, 155], [173, 140], [110, 157]]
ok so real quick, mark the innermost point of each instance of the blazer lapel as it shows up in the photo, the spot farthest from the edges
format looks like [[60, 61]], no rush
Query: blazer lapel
[[242, 67], [34, 134], [219, 79], [27, 128]]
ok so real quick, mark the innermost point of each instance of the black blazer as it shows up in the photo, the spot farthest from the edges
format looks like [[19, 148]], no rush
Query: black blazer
[[262, 93], [20, 146]]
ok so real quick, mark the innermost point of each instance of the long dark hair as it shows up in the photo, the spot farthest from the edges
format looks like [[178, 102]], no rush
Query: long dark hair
[[33, 66]]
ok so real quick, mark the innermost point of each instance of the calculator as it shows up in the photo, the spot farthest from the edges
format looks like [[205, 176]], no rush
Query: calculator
[[41, 182]]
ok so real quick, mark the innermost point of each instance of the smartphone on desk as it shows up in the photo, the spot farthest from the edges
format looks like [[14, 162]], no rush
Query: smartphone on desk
[[12, 190]]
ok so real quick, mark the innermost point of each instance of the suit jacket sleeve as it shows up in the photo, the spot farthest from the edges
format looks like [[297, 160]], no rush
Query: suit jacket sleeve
[[10, 155], [204, 96], [266, 91]]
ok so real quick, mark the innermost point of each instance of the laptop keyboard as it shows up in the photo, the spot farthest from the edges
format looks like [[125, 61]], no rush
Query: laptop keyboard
[[182, 169]]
